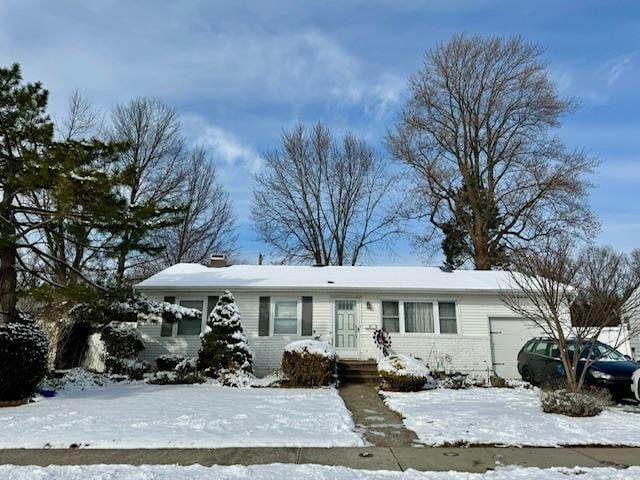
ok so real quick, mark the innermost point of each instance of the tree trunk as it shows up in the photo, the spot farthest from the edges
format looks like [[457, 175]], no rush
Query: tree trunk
[[8, 284]]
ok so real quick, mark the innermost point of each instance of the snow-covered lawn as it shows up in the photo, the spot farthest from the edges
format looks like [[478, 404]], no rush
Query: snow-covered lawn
[[316, 472], [507, 417], [153, 416]]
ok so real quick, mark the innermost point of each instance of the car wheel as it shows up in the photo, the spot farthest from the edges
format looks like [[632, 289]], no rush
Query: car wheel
[[526, 375]]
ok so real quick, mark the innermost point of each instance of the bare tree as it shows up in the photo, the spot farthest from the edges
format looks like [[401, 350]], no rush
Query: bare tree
[[152, 164], [321, 200], [491, 177], [206, 225], [574, 298]]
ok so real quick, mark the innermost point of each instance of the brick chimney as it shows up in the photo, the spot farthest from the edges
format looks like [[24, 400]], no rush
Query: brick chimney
[[218, 260]]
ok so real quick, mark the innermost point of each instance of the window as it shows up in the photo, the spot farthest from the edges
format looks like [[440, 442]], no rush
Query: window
[[285, 317], [391, 316], [447, 313], [541, 348], [190, 326], [418, 317]]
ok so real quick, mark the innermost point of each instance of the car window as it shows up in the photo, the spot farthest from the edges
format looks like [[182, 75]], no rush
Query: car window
[[555, 351], [606, 353], [529, 346], [541, 348]]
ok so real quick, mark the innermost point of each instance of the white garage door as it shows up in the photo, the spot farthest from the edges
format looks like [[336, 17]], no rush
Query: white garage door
[[508, 335]]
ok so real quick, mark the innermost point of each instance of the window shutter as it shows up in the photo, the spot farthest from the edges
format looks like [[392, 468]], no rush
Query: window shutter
[[211, 303], [166, 328], [263, 316], [307, 316]]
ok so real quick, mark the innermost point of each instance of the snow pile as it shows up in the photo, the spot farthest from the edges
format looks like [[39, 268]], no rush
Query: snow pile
[[509, 417], [181, 416], [314, 347], [403, 365], [278, 471]]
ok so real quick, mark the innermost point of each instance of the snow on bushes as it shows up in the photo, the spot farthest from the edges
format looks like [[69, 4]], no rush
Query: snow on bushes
[[123, 342], [183, 373], [169, 361], [23, 359], [309, 363], [133, 310], [582, 404], [402, 373], [75, 380], [225, 350]]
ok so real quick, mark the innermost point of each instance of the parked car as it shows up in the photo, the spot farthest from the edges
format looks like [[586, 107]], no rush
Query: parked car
[[539, 364]]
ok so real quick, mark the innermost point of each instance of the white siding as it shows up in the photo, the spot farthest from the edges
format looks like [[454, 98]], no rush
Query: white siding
[[469, 350]]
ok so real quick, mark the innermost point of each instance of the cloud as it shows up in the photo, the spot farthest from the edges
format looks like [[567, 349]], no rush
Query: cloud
[[617, 66], [176, 53], [223, 145]]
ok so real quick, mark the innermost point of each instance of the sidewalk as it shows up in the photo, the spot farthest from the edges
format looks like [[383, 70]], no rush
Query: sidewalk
[[374, 458]]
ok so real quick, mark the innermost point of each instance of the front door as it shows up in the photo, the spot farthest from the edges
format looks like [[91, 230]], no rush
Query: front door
[[346, 328]]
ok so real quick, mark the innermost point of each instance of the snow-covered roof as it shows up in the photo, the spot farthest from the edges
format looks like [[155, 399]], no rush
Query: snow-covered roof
[[190, 276]]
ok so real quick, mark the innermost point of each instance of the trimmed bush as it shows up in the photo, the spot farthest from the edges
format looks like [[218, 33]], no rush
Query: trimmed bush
[[122, 340], [184, 373], [402, 373], [169, 361], [309, 363], [23, 359], [582, 404], [133, 368], [225, 349]]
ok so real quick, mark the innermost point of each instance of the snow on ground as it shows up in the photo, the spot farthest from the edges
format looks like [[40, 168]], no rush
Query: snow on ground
[[156, 416], [510, 417], [316, 472]]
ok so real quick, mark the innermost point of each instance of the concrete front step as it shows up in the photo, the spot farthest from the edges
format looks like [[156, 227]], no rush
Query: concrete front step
[[358, 371], [355, 378]]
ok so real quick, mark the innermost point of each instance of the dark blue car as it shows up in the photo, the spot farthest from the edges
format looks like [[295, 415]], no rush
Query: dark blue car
[[539, 363]]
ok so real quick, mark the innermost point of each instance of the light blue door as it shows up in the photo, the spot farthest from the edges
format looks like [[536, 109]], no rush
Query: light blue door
[[346, 324]]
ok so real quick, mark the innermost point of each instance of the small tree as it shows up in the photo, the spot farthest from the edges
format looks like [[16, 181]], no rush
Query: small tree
[[573, 298], [225, 349]]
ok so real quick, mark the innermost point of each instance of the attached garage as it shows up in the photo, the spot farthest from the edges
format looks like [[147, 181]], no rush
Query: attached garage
[[508, 335]]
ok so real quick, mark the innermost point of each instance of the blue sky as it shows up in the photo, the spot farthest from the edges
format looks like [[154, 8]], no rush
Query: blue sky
[[239, 72]]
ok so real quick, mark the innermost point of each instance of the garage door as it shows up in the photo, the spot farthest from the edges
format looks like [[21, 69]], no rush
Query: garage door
[[508, 335]]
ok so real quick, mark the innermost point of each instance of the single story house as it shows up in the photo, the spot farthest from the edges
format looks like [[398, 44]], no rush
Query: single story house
[[452, 320]]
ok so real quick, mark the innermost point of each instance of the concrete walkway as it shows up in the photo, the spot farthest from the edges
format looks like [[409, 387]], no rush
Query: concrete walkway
[[373, 458], [381, 426]]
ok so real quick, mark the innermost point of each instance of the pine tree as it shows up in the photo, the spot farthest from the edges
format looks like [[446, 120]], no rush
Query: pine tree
[[224, 346]]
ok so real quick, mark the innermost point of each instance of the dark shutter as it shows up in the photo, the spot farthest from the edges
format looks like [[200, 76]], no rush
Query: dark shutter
[[166, 328], [211, 303], [263, 316], [307, 316]]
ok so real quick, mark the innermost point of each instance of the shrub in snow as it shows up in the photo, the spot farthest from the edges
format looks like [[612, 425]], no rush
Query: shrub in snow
[[184, 373], [225, 348], [122, 340], [23, 359], [402, 373], [582, 404], [168, 361], [131, 367], [497, 381], [455, 381], [309, 363], [74, 380]]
